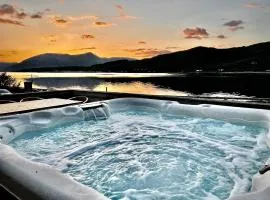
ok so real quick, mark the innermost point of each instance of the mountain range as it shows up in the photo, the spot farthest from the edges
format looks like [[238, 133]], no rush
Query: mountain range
[[52, 60], [247, 58], [4, 65]]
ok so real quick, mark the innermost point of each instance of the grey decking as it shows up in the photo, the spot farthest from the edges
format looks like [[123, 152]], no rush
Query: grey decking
[[28, 106]]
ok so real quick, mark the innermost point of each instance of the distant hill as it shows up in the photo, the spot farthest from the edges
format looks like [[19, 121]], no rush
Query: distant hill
[[51, 60], [251, 58], [5, 65], [255, 58]]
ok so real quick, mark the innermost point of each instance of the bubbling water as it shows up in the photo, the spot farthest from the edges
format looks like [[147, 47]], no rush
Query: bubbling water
[[143, 155]]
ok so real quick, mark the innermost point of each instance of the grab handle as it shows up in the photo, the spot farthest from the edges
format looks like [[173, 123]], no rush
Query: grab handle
[[265, 169]]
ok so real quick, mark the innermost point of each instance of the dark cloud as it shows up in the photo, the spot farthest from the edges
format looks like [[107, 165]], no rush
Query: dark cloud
[[87, 36], [83, 49], [12, 12], [234, 23], [221, 36], [142, 42], [37, 15], [135, 50], [147, 52], [47, 10], [195, 33], [102, 24], [9, 21], [9, 10], [59, 20], [21, 15], [6, 9]]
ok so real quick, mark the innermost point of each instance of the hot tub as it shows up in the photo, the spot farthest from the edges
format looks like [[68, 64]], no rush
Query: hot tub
[[134, 148]]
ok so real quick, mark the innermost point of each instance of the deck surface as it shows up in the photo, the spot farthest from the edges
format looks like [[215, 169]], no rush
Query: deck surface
[[28, 106]]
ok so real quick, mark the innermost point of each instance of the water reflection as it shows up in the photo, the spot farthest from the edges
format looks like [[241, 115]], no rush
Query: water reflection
[[114, 82], [139, 83], [84, 74], [137, 88]]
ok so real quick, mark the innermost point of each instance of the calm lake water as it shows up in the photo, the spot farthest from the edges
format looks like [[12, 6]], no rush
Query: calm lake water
[[114, 82], [137, 83]]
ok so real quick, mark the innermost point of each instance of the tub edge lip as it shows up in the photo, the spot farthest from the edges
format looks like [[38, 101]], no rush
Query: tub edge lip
[[49, 181]]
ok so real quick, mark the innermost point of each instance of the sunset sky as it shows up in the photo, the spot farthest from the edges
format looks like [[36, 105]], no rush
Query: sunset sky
[[128, 28]]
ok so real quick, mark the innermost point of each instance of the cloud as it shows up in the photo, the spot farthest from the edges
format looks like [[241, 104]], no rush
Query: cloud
[[234, 25], [87, 36], [11, 12], [256, 5], [84, 17], [236, 28], [37, 15], [142, 42], [83, 49], [135, 50], [10, 21], [122, 13], [147, 52], [195, 33], [102, 24], [253, 5], [221, 36], [59, 20], [119, 7], [21, 15], [6, 9]]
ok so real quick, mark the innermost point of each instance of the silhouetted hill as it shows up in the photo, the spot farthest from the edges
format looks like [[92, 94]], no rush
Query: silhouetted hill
[[5, 65], [51, 60], [254, 57], [251, 58]]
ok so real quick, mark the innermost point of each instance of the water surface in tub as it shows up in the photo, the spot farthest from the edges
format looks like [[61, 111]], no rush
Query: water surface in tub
[[143, 155]]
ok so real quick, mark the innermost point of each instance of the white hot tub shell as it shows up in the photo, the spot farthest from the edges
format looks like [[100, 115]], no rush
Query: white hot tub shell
[[32, 180]]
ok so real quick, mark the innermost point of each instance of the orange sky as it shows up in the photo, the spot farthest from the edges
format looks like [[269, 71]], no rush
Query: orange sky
[[115, 28]]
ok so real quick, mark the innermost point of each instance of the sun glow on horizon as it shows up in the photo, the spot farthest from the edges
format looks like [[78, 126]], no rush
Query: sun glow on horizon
[[127, 28]]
